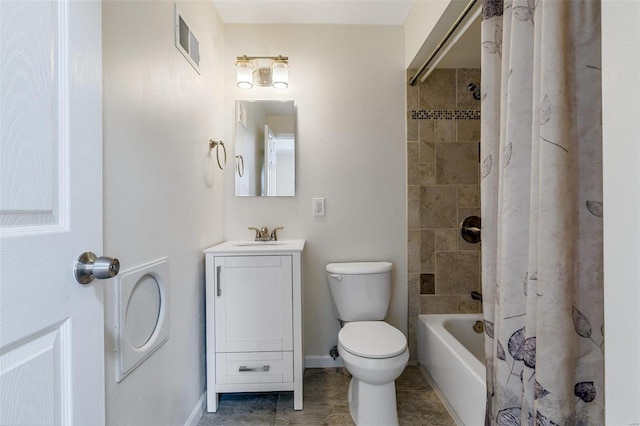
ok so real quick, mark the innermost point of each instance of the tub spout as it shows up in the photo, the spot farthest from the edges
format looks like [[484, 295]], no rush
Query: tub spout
[[476, 295]]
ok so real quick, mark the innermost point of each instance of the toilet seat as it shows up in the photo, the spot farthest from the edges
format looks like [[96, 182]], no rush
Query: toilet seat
[[372, 339]]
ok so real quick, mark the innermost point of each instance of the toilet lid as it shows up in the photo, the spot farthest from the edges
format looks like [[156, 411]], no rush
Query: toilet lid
[[372, 339]]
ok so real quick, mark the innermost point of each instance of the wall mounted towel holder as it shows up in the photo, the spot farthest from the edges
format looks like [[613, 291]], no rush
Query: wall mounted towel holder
[[217, 144], [240, 165]]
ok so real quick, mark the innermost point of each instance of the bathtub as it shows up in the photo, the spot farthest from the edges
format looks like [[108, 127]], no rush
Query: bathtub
[[451, 355]]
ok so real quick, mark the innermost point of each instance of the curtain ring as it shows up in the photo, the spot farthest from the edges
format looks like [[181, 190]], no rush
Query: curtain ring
[[216, 145], [240, 165]]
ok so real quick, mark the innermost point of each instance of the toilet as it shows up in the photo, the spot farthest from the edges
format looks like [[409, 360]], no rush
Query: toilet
[[374, 352]]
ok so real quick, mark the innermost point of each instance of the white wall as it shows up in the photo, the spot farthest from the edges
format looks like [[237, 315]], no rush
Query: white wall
[[158, 117], [348, 85], [419, 24], [621, 134], [427, 25]]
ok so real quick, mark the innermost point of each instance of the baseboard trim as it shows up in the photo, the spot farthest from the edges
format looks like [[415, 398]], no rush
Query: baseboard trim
[[324, 361], [197, 411]]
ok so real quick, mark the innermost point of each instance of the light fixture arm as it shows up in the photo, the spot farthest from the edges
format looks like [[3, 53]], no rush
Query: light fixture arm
[[252, 58]]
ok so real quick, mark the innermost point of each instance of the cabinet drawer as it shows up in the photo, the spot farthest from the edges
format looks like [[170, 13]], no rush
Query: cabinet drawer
[[254, 367]]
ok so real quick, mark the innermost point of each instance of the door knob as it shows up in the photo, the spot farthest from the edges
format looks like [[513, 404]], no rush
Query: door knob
[[89, 266]]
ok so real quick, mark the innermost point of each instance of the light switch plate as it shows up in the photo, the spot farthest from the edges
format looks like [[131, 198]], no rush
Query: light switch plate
[[318, 206]]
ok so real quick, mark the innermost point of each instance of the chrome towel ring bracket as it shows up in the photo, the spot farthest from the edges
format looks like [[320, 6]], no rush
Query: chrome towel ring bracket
[[217, 144]]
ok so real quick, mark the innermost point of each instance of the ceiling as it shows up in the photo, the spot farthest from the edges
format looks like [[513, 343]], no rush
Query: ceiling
[[358, 12], [465, 53]]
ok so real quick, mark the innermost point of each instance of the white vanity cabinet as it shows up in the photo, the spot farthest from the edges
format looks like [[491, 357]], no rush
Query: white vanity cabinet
[[254, 318]]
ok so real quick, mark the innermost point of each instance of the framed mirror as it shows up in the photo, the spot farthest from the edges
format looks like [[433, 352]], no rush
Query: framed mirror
[[265, 149]]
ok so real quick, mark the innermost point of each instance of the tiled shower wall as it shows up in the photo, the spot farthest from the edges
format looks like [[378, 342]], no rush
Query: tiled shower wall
[[443, 143]]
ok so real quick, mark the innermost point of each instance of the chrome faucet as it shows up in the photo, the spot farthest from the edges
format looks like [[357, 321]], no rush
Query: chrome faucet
[[262, 234]]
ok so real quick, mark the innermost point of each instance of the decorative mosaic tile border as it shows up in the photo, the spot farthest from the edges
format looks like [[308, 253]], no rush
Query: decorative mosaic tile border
[[445, 114]]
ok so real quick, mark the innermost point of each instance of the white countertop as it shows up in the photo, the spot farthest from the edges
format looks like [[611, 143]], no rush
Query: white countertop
[[257, 247]]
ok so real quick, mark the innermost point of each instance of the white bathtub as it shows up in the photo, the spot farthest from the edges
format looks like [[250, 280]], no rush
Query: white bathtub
[[451, 355]]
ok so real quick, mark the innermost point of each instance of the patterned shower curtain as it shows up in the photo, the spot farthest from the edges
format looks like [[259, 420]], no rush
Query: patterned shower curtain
[[542, 212]]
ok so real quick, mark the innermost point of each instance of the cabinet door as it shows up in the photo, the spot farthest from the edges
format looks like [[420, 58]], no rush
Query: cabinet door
[[253, 304]]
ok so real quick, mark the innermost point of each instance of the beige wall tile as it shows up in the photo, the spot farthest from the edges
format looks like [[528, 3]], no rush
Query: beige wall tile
[[413, 207], [414, 294], [457, 163], [457, 272], [427, 251], [465, 97], [446, 239], [427, 152], [445, 130], [413, 104], [427, 284], [438, 207], [443, 188], [413, 163], [438, 304], [439, 90], [413, 255], [468, 196], [413, 93], [468, 130], [466, 305], [428, 173], [427, 162], [412, 340], [427, 130], [413, 128]]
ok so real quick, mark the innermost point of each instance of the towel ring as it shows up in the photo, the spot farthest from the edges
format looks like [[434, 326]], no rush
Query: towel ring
[[217, 145], [240, 165]]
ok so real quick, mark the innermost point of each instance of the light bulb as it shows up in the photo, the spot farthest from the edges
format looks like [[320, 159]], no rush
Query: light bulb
[[244, 74], [280, 73]]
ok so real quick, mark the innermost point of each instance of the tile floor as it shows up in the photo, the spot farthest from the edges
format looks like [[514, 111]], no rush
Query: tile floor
[[325, 403]]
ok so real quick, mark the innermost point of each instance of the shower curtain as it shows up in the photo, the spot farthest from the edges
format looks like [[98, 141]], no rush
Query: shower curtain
[[541, 170]]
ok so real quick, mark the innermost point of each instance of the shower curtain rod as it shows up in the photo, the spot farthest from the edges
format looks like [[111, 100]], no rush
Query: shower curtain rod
[[413, 80]]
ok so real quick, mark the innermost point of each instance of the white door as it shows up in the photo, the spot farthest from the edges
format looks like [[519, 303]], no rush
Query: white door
[[51, 327]]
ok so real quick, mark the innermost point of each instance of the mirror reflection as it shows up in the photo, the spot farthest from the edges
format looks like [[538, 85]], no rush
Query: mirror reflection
[[265, 148]]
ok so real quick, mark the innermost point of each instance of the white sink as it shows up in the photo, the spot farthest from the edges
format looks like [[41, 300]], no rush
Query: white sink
[[258, 243], [258, 247]]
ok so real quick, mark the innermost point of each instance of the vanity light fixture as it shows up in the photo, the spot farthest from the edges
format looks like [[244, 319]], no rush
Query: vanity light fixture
[[263, 71]]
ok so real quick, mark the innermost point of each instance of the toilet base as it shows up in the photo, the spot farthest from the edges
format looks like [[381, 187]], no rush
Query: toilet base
[[373, 405]]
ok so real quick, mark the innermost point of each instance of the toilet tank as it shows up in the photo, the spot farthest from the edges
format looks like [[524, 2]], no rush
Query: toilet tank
[[360, 291]]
